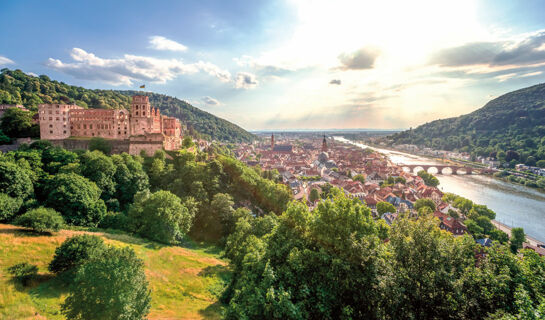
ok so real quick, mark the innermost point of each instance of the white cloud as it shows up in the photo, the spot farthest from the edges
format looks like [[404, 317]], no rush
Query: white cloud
[[211, 101], [246, 80], [130, 68], [4, 60], [162, 43]]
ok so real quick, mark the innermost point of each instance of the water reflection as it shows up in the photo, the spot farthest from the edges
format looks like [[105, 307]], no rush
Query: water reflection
[[515, 205]]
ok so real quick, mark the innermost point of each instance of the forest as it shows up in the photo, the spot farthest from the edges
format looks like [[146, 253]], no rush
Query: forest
[[17, 87]]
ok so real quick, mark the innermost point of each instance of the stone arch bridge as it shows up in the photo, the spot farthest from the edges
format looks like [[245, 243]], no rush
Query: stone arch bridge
[[441, 168]]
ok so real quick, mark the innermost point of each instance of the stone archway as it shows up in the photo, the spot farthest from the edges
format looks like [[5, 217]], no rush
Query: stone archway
[[417, 169], [447, 171], [433, 170]]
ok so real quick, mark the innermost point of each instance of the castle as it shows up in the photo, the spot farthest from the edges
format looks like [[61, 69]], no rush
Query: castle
[[143, 128]]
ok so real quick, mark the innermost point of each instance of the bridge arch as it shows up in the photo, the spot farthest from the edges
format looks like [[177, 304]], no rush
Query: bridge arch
[[417, 169], [433, 170], [447, 171]]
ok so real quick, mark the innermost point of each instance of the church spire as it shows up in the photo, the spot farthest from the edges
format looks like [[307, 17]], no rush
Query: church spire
[[272, 141], [324, 145]]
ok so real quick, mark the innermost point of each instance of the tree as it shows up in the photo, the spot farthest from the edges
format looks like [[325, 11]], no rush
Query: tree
[[8, 207], [314, 195], [359, 177], [42, 220], [14, 180], [425, 202], [110, 285], [17, 123], [385, 207], [160, 216], [540, 163], [187, 142], [100, 144], [428, 178], [517, 239], [76, 198], [75, 251]]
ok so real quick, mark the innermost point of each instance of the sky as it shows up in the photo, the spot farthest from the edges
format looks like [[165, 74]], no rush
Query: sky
[[290, 64]]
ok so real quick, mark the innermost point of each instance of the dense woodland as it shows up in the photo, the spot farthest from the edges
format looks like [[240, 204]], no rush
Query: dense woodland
[[286, 262], [510, 128], [17, 87]]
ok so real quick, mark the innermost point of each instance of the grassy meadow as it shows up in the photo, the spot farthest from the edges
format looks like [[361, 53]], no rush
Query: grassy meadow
[[185, 281]]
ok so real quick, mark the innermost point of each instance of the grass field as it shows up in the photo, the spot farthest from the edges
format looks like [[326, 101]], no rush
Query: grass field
[[185, 281]]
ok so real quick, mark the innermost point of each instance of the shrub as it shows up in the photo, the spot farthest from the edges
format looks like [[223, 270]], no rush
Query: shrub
[[41, 220], [110, 285], [73, 252], [8, 207], [23, 272], [114, 220]]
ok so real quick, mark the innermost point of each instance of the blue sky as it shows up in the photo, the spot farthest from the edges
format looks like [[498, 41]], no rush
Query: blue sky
[[290, 64]]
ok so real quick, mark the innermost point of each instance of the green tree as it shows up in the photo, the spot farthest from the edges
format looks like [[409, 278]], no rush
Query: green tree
[[14, 180], [43, 220], [100, 144], [517, 239], [75, 251], [23, 272], [17, 123], [314, 195], [385, 207], [359, 177], [160, 216], [76, 198], [425, 202], [8, 207], [110, 285], [428, 178]]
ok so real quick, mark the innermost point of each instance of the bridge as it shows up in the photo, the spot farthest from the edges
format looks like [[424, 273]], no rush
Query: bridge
[[442, 169]]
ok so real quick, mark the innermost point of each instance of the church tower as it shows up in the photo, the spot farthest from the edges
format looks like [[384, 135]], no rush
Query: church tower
[[140, 115], [324, 145], [272, 141]]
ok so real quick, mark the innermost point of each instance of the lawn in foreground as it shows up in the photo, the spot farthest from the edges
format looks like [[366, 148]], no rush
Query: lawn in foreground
[[185, 281]]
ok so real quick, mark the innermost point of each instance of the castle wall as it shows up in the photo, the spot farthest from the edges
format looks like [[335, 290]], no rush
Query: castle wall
[[109, 124], [55, 120]]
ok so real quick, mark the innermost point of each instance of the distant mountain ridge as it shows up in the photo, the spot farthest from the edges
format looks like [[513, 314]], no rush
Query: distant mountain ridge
[[514, 121], [17, 87]]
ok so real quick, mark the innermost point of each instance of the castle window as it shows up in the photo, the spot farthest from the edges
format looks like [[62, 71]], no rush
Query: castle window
[[64, 132], [144, 113], [57, 119], [84, 126], [118, 132], [51, 126], [136, 112], [50, 118], [90, 126], [50, 131]]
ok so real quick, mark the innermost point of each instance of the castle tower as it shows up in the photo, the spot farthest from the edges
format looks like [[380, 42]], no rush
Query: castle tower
[[324, 145], [272, 141], [140, 115]]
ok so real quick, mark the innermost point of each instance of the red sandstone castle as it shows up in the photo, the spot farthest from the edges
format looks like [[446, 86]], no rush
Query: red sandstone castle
[[144, 128]]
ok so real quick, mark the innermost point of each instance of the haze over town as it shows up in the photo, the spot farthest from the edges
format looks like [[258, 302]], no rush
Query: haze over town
[[289, 64]]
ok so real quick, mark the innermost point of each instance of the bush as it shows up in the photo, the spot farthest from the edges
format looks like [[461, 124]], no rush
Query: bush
[[41, 220], [23, 272], [8, 207], [110, 285], [73, 252], [114, 220]]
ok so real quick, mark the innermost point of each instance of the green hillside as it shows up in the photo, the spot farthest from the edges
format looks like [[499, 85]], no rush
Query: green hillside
[[185, 282], [17, 87], [512, 122]]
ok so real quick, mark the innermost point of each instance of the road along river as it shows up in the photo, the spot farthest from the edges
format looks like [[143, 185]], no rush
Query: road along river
[[515, 205]]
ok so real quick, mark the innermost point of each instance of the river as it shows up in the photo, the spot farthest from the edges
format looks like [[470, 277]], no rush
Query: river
[[515, 205]]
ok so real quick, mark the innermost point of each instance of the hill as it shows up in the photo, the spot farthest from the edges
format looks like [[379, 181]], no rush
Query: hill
[[512, 122], [185, 282], [17, 87]]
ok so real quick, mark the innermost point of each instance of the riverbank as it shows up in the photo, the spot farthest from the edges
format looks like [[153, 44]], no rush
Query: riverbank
[[505, 228]]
